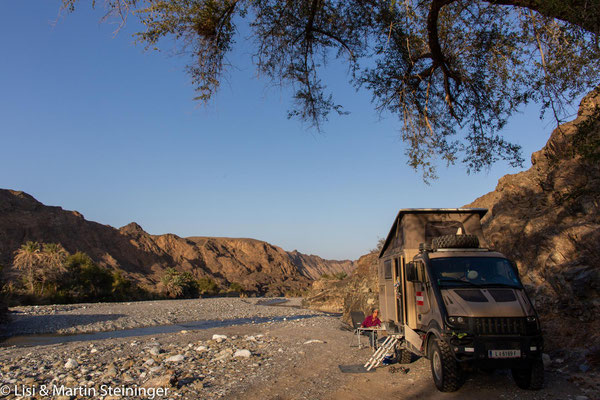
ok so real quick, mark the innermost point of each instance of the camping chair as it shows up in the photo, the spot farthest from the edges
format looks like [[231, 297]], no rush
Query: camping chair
[[357, 319]]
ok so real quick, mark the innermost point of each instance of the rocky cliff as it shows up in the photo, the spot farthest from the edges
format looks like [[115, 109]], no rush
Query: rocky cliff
[[314, 267], [548, 220], [259, 267], [357, 292]]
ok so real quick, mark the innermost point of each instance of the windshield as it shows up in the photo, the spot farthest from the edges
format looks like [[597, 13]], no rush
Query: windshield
[[474, 271]]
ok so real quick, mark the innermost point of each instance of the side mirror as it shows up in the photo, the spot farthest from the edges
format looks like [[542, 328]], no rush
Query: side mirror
[[411, 272]]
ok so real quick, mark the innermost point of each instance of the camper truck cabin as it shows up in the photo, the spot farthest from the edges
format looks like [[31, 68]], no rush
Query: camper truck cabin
[[444, 295], [413, 228]]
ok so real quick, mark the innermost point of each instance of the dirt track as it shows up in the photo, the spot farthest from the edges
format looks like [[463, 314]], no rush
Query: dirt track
[[318, 376]]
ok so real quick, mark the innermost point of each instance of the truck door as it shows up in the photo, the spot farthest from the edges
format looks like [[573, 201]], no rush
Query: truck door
[[390, 296], [422, 295], [381, 280], [416, 296], [399, 289], [387, 301]]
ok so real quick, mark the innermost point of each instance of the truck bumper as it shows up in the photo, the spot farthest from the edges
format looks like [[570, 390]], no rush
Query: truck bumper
[[491, 351]]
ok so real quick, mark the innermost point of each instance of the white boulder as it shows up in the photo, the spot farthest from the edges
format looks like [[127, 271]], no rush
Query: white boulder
[[175, 358], [242, 353]]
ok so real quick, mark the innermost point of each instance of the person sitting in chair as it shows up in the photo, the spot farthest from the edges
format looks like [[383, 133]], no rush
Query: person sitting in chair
[[372, 321]]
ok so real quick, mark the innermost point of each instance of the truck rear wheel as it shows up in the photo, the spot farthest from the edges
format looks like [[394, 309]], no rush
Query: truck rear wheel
[[531, 378], [446, 372], [404, 356]]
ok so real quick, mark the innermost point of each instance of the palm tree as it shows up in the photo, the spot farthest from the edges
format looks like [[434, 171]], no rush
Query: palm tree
[[171, 281], [28, 259], [55, 254], [53, 258]]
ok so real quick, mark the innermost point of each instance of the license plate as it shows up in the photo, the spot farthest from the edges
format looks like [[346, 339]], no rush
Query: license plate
[[504, 353]]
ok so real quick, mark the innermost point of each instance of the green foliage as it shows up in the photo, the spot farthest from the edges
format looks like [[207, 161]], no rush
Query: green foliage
[[586, 141], [452, 71], [204, 27], [40, 263], [84, 280], [53, 257], [207, 287], [121, 286], [28, 258], [51, 274], [236, 287], [179, 284], [296, 293], [380, 244], [340, 275]]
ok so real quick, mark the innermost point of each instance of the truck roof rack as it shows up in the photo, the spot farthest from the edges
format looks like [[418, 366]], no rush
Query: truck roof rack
[[416, 236], [463, 249]]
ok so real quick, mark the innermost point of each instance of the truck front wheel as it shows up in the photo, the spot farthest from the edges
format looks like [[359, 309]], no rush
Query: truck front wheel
[[446, 372], [531, 378]]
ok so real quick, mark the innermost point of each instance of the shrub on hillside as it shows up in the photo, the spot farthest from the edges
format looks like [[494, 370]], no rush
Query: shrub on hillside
[[295, 292], [84, 280], [340, 275], [123, 289], [178, 285], [236, 288], [47, 273], [207, 287]]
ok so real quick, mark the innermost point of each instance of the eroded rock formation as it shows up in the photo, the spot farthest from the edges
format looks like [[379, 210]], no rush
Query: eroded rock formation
[[358, 292], [259, 267], [548, 220], [314, 267]]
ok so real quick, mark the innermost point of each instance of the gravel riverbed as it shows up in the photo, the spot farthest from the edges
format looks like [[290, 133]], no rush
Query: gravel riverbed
[[257, 352], [99, 317], [190, 364]]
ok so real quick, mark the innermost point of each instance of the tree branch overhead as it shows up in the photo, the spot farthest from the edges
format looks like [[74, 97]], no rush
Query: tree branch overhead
[[453, 71]]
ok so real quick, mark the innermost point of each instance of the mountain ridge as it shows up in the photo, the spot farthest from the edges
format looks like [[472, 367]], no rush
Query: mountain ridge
[[257, 266]]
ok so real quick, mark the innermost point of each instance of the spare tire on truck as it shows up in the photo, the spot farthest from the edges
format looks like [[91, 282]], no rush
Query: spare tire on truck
[[455, 242]]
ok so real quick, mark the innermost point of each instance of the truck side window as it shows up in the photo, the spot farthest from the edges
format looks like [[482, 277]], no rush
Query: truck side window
[[387, 269]]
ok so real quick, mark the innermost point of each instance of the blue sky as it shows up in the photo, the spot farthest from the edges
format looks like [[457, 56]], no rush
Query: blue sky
[[92, 123]]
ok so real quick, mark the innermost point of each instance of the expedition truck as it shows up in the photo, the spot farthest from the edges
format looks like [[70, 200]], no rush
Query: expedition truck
[[446, 297]]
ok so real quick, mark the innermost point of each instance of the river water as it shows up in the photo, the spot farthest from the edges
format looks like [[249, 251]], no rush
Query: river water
[[46, 339]]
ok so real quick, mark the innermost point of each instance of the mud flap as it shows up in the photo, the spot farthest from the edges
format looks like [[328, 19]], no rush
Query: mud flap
[[413, 339]]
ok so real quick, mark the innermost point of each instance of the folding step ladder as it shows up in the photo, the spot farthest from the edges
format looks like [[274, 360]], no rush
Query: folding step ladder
[[388, 345]]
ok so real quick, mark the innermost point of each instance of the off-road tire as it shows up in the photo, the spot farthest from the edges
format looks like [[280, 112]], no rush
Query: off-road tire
[[404, 356], [447, 375], [455, 242], [531, 378]]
